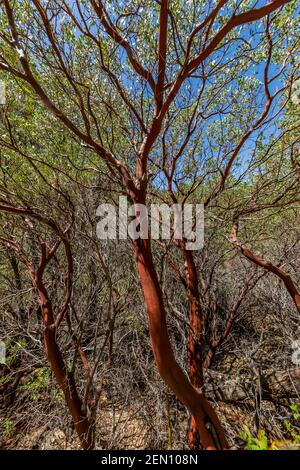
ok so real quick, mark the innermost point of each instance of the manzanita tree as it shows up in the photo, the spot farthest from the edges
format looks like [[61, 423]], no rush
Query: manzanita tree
[[157, 91]]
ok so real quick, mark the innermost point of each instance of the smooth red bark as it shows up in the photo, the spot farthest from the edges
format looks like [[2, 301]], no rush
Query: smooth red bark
[[168, 367]]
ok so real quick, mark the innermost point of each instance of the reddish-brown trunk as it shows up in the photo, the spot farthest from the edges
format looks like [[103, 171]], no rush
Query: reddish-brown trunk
[[65, 379], [194, 343], [169, 369], [195, 320]]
